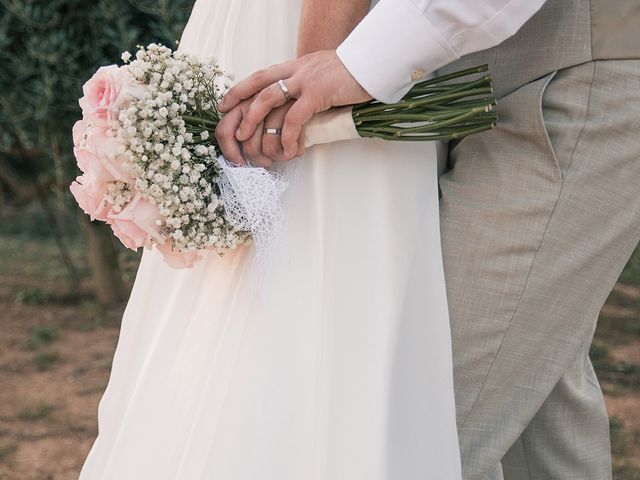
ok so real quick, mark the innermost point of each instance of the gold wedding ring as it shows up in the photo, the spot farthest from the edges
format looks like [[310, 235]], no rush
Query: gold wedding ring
[[285, 90], [272, 131]]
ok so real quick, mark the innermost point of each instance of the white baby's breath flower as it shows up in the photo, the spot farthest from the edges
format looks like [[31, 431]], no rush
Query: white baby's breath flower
[[168, 167]]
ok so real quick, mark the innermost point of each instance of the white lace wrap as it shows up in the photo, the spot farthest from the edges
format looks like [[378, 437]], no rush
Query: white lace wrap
[[253, 196]]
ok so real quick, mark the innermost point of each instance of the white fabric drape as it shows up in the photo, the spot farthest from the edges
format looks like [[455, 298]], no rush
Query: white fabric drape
[[343, 372]]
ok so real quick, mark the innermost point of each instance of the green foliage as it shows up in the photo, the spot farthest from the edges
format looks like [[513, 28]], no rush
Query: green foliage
[[46, 360], [6, 450], [631, 273], [33, 296], [48, 49], [36, 410], [42, 335]]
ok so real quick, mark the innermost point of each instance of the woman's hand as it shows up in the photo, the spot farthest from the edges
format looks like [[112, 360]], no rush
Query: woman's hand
[[272, 143], [260, 149]]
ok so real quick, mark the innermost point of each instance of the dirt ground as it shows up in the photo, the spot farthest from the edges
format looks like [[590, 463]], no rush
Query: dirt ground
[[56, 351]]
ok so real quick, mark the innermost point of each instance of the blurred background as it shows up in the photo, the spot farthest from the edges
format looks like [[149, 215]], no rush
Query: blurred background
[[64, 280]]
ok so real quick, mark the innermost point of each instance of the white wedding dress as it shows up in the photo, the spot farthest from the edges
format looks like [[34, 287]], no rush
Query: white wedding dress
[[344, 372]]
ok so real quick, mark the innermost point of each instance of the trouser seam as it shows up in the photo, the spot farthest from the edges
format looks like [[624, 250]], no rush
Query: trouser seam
[[533, 262], [526, 461]]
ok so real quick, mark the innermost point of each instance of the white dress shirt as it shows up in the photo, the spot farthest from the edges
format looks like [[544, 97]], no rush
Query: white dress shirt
[[401, 41]]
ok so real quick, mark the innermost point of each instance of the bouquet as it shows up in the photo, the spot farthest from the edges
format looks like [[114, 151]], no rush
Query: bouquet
[[152, 170]]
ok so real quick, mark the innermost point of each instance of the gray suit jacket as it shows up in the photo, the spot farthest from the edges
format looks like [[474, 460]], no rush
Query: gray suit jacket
[[562, 34]]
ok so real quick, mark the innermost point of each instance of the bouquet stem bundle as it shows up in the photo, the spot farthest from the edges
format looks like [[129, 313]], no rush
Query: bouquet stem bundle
[[432, 110]]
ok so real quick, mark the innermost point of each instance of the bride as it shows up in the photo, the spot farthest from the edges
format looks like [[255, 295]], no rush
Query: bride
[[344, 371]]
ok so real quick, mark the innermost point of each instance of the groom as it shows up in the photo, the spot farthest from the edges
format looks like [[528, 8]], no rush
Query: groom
[[538, 216]]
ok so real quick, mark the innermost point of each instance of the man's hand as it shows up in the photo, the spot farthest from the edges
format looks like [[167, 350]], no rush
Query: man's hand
[[318, 81]]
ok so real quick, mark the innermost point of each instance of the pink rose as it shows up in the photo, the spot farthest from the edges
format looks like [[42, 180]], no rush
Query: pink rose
[[135, 225], [105, 94], [107, 151], [96, 150], [78, 131], [178, 258], [90, 197], [92, 167]]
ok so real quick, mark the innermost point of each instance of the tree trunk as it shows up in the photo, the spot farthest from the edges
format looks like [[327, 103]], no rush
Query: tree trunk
[[56, 231], [2, 201], [103, 260]]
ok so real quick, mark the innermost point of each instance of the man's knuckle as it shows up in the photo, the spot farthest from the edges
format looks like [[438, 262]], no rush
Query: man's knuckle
[[264, 95], [253, 113], [292, 121], [288, 140], [259, 76]]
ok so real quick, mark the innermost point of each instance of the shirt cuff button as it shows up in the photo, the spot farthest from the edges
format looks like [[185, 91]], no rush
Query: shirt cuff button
[[417, 74]]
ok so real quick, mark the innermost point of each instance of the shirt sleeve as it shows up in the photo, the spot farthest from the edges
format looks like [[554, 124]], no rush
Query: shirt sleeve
[[401, 41]]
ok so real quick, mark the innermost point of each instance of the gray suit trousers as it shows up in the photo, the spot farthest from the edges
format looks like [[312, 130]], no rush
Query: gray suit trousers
[[538, 218]]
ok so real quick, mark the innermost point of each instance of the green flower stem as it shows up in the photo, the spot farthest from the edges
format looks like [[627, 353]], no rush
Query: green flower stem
[[483, 82], [454, 75], [200, 121], [459, 128], [413, 103], [480, 119], [436, 125], [422, 116], [436, 136], [418, 90], [432, 110]]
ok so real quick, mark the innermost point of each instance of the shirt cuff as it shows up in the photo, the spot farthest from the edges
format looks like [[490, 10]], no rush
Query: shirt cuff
[[394, 46]]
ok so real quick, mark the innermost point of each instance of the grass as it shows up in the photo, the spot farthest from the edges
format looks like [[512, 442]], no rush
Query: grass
[[33, 296], [614, 330], [42, 335], [33, 258], [37, 410], [621, 441], [36, 259], [46, 360], [6, 450], [631, 273], [621, 378]]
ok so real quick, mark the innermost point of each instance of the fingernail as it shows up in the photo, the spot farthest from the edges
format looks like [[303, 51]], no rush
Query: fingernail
[[238, 133]]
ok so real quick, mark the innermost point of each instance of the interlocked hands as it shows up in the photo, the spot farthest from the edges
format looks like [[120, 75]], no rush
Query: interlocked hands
[[316, 82]]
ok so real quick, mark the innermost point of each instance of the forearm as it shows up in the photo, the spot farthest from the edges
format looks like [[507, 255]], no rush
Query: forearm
[[324, 24], [402, 41]]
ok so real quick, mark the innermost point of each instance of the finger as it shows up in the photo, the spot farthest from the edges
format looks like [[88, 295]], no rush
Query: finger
[[225, 134], [301, 149], [272, 144], [252, 149], [272, 147], [300, 113], [265, 102], [254, 83]]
